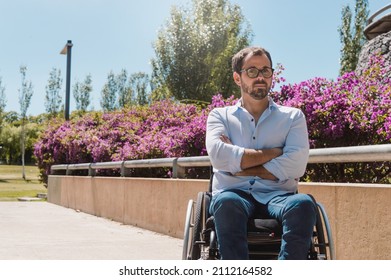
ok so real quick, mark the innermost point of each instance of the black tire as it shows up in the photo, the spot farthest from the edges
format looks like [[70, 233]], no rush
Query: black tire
[[195, 252], [320, 244], [329, 246], [320, 234], [188, 230]]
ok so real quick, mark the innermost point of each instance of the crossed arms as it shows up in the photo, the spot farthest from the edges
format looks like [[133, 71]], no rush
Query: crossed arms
[[252, 161]]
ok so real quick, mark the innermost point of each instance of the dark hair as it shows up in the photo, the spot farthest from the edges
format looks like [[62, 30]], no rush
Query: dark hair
[[237, 59]]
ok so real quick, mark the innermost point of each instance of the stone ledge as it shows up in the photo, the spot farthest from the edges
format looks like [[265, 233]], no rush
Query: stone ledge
[[26, 198]]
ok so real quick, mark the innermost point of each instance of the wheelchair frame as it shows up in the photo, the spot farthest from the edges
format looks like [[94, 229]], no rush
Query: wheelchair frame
[[200, 240]]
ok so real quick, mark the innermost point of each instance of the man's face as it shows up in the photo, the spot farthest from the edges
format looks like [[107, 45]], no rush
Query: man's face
[[258, 87]]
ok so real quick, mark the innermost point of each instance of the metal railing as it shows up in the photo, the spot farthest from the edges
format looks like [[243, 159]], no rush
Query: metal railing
[[369, 153]]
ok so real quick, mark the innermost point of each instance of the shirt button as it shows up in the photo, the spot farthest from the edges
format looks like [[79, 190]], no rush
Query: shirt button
[[252, 120], [254, 137]]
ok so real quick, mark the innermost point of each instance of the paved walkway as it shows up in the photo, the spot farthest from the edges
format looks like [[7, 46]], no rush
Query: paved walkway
[[45, 231]]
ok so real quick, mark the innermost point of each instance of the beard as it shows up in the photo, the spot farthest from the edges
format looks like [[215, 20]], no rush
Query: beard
[[256, 92]]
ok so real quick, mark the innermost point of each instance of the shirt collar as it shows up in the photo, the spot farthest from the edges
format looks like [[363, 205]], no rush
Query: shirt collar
[[272, 104]]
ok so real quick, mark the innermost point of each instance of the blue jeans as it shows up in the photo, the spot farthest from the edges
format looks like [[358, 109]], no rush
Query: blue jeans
[[232, 209]]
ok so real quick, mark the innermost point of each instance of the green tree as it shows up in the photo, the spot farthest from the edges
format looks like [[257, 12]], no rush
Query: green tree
[[25, 94], [194, 50], [11, 151], [139, 83], [9, 138], [53, 99], [109, 94], [3, 102], [125, 93], [82, 93], [2, 113], [352, 35], [11, 116]]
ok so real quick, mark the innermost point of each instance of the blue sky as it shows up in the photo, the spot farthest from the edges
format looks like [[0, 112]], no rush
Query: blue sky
[[118, 34]]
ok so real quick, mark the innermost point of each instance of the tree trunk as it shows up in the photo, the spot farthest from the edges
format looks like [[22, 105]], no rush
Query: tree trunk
[[23, 150]]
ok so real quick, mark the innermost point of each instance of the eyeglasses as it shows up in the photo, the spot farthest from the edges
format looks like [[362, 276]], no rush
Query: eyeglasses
[[253, 72]]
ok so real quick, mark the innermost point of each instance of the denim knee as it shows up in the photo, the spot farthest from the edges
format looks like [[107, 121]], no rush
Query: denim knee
[[232, 202], [302, 204]]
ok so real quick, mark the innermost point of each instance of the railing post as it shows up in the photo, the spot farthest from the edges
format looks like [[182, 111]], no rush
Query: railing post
[[123, 169], [177, 170], [125, 172], [91, 171], [68, 171]]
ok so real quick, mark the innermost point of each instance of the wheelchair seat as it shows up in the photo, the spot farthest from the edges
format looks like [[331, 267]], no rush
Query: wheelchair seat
[[269, 226]]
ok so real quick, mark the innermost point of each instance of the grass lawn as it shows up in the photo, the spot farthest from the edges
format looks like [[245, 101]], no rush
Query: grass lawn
[[13, 186]]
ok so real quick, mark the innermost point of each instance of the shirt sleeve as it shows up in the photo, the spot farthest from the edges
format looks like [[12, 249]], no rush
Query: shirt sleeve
[[293, 162], [224, 157]]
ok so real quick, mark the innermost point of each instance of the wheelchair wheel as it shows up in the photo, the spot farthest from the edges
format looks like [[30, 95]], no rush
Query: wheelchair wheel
[[327, 238], [188, 230], [318, 250], [322, 244], [195, 250], [195, 221]]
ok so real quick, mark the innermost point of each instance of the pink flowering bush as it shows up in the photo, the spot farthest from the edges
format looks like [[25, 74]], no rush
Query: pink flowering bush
[[352, 110], [165, 129]]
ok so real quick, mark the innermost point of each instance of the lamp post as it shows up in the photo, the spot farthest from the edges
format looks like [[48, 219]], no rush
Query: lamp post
[[67, 50]]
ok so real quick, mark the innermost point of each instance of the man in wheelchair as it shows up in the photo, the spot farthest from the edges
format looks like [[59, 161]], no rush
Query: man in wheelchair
[[258, 150]]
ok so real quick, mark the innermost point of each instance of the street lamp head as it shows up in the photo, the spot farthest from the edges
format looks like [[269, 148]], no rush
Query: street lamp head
[[65, 49]]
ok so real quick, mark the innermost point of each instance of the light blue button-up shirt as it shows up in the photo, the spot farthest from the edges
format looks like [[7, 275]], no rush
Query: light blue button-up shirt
[[279, 126]]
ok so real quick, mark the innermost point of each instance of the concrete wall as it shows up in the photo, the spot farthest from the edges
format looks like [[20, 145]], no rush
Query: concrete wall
[[358, 214], [156, 204]]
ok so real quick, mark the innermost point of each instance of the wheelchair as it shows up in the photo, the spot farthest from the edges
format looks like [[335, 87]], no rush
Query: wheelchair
[[263, 235]]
